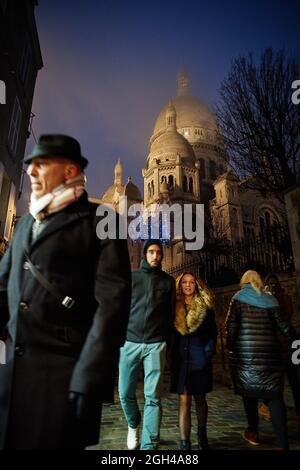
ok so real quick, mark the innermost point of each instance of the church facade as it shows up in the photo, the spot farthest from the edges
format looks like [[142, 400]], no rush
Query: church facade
[[186, 163]]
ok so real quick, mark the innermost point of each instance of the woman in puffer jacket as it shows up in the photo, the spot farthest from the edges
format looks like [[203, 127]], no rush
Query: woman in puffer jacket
[[193, 348], [255, 359]]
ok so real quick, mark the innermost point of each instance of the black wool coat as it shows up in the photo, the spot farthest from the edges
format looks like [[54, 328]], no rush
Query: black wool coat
[[51, 350]]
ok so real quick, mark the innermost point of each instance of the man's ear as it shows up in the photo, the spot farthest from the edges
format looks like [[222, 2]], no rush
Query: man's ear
[[71, 171]]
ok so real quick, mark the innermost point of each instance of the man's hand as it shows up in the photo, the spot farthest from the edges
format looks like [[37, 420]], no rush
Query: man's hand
[[86, 412], [79, 405]]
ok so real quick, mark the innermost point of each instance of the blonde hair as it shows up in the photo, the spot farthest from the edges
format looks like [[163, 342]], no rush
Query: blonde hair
[[201, 289], [253, 278]]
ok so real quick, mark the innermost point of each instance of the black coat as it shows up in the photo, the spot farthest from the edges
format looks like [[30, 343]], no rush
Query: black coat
[[52, 350], [255, 357], [191, 365]]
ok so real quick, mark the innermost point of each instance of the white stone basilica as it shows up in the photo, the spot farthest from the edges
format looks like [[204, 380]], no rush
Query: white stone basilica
[[186, 163]]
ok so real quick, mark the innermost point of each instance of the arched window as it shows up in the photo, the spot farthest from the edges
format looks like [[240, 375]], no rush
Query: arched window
[[202, 168], [163, 178], [275, 230], [191, 189], [152, 188], [170, 120], [268, 225], [171, 182], [149, 190], [185, 184], [212, 170], [262, 227]]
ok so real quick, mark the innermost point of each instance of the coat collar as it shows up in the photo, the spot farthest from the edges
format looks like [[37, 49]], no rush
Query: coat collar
[[145, 266], [189, 321], [77, 210]]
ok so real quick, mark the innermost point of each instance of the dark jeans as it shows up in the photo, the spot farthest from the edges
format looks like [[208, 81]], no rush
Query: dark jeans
[[278, 416], [294, 382]]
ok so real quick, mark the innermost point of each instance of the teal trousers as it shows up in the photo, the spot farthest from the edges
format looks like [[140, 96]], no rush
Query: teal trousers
[[153, 358]]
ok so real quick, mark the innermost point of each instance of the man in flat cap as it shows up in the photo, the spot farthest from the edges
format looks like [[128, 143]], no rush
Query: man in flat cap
[[150, 328], [64, 305]]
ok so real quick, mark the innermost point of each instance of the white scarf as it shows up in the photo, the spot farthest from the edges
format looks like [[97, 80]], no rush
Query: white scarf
[[58, 199]]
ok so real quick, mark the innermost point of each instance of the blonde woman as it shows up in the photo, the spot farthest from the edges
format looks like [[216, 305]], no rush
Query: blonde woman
[[256, 365], [194, 345]]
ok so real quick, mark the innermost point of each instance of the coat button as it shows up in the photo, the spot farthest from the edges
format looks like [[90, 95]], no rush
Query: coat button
[[19, 350], [24, 305], [26, 266]]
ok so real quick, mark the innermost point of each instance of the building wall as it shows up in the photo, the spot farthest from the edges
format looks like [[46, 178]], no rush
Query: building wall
[[238, 212], [20, 60], [292, 201]]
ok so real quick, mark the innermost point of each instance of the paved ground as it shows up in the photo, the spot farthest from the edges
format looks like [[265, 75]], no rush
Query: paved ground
[[226, 424]]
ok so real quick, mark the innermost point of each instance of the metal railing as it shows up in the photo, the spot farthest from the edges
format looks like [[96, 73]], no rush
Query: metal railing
[[222, 262]]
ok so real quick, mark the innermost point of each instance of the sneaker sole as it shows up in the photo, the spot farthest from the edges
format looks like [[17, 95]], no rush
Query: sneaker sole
[[133, 448], [251, 442]]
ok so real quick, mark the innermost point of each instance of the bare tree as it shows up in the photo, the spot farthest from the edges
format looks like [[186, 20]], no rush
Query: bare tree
[[259, 123]]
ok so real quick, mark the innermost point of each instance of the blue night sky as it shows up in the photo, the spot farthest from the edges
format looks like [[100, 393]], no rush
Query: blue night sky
[[110, 67]]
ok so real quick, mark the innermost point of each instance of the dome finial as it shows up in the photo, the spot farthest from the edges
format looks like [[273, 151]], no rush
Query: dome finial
[[183, 83], [118, 172], [171, 117]]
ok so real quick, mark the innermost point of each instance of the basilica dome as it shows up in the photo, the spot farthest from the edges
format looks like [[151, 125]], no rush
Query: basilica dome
[[170, 144], [132, 191], [191, 114], [112, 194]]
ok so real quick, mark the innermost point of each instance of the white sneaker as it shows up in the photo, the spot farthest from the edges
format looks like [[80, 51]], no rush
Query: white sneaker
[[132, 438]]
